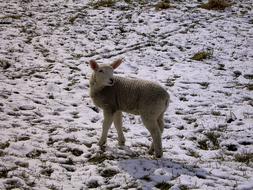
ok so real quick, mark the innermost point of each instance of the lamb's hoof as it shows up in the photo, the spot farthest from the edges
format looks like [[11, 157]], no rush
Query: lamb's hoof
[[151, 151], [121, 143], [101, 143], [159, 154]]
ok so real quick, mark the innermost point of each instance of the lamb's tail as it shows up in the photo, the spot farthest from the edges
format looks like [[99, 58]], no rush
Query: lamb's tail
[[167, 103]]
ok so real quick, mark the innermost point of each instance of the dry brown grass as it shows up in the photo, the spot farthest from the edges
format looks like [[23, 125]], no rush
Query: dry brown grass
[[216, 5], [164, 4]]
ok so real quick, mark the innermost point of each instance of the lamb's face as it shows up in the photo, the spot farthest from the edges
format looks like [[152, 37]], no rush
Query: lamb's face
[[104, 75]]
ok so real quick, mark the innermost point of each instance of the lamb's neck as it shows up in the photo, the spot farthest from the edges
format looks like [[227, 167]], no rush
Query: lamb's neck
[[94, 87]]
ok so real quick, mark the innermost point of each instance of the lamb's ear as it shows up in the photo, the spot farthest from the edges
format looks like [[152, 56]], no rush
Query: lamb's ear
[[116, 63], [93, 65]]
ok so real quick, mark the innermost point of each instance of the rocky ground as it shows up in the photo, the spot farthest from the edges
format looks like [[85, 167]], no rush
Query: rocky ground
[[49, 126]]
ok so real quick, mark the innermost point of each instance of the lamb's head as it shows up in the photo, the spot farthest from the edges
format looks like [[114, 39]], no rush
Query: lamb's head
[[103, 74]]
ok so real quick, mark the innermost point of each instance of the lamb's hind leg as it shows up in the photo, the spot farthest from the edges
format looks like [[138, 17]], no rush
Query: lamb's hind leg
[[108, 118], [117, 118], [153, 127], [160, 122]]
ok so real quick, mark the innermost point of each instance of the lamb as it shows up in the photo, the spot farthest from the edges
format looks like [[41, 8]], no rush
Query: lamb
[[114, 95]]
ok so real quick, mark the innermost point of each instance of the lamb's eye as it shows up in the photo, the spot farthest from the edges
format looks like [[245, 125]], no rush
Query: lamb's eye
[[101, 71]]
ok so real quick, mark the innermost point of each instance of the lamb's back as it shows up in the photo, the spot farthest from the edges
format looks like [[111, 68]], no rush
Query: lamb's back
[[135, 95]]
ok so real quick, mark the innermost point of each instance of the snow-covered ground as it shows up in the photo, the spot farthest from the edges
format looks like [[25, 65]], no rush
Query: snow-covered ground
[[49, 126]]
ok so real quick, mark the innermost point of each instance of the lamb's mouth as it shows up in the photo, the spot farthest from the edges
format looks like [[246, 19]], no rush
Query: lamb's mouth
[[111, 82]]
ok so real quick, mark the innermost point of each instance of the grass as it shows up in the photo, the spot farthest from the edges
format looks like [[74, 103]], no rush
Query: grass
[[4, 145], [183, 187], [163, 186], [100, 158], [249, 87], [73, 18], [216, 5], [4, 64], [200, 56], [102, 3], [76, 152], [202, 144], [93, 184], [11, 16], [47, 171], [4, 173], [35, 153], [164, 4], [109, 173], [193, 153], [244, 157], [2, 153], [110, 3], [213, 138], [216, 113], [146, 178], [204, 85]]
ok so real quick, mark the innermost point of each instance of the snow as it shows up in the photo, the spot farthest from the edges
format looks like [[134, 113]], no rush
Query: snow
[[49, 126]]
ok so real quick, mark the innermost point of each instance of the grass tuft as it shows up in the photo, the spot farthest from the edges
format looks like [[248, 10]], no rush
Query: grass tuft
[[202, 144], [244, 157], [109, 172], [183, 187], [4, 173], [73, 18], [4, 145], [213, 138], [249, 87], [193, 153], [163, 186], [216, 5], [11, 17], [200, 56], [164, 4], [100, 158], [102, 3]]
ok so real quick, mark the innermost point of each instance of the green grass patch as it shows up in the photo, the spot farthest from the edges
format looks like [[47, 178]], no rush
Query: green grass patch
[[200, 56], [216, 5], [244, 157]]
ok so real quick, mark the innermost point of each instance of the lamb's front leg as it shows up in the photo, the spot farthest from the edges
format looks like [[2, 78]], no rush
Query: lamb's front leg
[[108, 118], [117, 118]]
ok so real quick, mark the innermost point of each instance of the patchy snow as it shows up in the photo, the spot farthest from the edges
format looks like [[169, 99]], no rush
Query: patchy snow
[[49, 126]]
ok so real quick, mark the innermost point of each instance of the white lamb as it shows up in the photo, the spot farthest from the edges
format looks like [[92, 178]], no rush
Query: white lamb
[[115, 94]]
